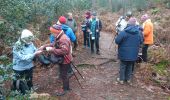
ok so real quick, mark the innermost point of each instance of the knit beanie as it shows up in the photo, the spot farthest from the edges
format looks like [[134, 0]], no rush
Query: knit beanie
[[62, 19], [88, 14], [26, 33], [55, 28], [132, 21], [27, 36]]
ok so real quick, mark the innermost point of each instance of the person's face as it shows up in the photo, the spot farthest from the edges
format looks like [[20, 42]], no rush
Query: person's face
[[93, 17], [127, 18], [86, 15], [70, 17], [28, 40]]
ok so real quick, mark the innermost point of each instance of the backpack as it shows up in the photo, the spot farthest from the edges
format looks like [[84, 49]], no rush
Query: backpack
[[118, 24]]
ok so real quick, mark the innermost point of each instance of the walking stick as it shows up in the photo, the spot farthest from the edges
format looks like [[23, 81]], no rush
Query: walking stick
[[113, 41], [77, 79], [75, 73]]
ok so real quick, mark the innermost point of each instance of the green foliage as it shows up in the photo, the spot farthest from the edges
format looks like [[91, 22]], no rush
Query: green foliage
[[16, 14], [161, 67], [155, 10]]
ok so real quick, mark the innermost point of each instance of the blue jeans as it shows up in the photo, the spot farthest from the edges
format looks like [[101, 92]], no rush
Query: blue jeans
[[126, 70]]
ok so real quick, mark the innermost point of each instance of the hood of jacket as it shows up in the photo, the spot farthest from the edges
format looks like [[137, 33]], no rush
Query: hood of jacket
[[65, 27], [132, 29]]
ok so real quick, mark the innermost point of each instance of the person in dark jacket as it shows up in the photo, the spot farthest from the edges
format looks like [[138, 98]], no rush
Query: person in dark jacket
[[95, 28], [63, 49], [73, 25], [128, 42], [85, 26]]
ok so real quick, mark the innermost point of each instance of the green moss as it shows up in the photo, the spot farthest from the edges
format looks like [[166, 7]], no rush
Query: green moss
[[85, 65]]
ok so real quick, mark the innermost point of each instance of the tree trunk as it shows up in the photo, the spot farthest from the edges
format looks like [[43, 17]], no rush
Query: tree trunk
[[110, 5]]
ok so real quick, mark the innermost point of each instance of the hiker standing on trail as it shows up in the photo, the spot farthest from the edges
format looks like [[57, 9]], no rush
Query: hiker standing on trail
[[72, 24], [61, 48], [148, 35], [95, 28], [24, 52], [85, 26], [128, 42], [122, 22]]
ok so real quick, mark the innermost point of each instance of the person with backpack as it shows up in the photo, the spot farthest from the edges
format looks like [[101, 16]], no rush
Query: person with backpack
[[24, 52], [95, 28], [61, 47], [148, 35], [85, 26], [122, 22], [128, 41]]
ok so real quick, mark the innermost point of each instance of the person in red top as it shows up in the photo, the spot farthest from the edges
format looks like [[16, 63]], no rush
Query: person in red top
[[63, 48]]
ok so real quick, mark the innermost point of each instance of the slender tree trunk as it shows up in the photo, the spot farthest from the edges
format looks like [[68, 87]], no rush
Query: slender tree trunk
[[110, 5], [94, 4]]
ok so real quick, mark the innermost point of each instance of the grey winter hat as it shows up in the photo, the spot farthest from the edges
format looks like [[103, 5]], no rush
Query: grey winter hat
[[94, 14], [129, 14]]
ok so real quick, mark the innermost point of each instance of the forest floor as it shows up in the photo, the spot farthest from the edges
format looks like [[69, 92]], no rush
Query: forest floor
[[100, 73]]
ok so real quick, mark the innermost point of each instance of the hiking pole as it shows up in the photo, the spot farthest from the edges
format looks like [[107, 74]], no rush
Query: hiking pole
[[77, 71], [112, 41], [77, 79]]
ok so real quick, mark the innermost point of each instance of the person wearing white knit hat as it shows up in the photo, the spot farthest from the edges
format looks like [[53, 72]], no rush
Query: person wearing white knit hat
[[24, 52]]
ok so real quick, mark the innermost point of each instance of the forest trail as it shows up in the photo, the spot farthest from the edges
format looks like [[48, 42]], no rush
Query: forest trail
[[100, 72]]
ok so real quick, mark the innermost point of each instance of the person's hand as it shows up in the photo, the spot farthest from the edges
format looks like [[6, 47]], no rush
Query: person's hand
[[88, 30], [41, 48], [38, 52], [49, 48]]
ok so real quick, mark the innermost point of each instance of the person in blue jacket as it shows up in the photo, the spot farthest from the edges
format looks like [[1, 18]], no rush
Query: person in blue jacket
[[128, 41], [67, 30], [24, 52]]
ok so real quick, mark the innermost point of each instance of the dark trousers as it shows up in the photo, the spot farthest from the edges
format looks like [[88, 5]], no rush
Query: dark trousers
[[75, 42], [144, 52], [126, 70], [86, 39], [96, 42], [63, 71], [25, 74]]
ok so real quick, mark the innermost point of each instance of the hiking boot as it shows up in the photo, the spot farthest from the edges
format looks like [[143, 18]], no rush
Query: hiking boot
[[129, 82], [98, 53], [92, 52], [119, 81], [60, 92]]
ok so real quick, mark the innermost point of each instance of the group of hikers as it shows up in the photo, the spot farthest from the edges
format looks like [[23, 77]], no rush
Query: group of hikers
[[130, 36]]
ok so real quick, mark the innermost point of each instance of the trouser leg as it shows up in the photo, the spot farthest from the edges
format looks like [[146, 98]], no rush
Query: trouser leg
[[64, 69], [97, 44], [123, 65], [128, 71], [29, 77], [144, 52]]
